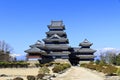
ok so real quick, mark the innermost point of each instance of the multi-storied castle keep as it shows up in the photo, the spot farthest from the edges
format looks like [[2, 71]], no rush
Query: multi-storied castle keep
[[56, 46]]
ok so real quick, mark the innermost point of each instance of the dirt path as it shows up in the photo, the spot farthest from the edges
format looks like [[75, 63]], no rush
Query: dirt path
[[74, 73], [78, 73]]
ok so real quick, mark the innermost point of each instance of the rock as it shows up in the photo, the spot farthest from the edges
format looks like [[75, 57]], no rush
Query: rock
[[3, 75], [46, 77], [18, 78], [54, 76]]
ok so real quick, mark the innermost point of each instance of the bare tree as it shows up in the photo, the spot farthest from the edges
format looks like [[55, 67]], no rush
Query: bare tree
[[108, 56], [5, 50], [102, 56], [5, 47]]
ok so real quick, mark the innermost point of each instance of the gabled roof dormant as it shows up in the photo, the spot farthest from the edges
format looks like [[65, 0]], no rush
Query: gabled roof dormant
[[85, 43], [34, 50], [55, 36]]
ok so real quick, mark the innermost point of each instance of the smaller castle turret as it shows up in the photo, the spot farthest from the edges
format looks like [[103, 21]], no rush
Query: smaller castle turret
[[85, 53]]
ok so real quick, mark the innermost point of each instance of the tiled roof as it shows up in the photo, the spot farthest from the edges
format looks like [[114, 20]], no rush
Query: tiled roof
[[85, 43], [38, 44], [86, 50], [34, 50], [56, 23], [56, 32], [57, 46]]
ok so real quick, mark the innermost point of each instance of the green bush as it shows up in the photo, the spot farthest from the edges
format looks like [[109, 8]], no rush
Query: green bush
[[102, 63], [83, 64], [56, 63], [65, 65], [30, 77], [41, 65], [40, 76], [60, 67], [13, 64], [43, 70], [57, 68], [118, 72], [48, 64]]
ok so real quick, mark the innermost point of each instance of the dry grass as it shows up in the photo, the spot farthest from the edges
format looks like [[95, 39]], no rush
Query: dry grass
[[20, 72]]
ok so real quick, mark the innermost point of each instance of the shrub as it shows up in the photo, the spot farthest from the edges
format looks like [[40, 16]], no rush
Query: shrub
[[18, 78], [38, 65], [109, 70], [57, 68], [83, 64], [118, 72], [48, 64], [13, 64], [102, 63], [99, 68], [91, 66], [97, 61], [60, 67], [65, 65], [91, 62], [56, 63], [43, 70], [30, 77], [40, 76]]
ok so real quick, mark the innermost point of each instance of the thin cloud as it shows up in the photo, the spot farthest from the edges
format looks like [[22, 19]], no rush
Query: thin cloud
[[16, 55]]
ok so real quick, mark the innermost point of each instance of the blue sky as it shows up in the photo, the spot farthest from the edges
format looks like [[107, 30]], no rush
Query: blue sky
[[23, 22]]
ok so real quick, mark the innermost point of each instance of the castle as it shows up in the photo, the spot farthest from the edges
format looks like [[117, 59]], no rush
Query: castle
[[56, 47]]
